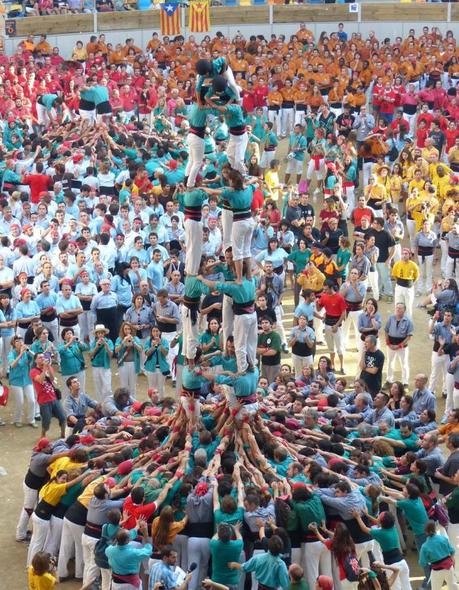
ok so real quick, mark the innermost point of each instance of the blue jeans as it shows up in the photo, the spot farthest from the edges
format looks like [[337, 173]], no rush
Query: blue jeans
[[50, 409], [385, 284]]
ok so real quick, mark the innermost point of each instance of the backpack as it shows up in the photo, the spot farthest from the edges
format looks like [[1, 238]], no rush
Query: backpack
[[351, 568]]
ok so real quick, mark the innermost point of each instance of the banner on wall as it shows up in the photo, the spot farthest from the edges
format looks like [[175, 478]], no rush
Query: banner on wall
[[199, 16], [169, 19]]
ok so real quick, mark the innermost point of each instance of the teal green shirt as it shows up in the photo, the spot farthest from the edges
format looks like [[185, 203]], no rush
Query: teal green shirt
[[415, 514], [244, 293], [102, 358], [435, 549], [387, 538], [222, 554], [269, 570], [72, 360], [234, 116]]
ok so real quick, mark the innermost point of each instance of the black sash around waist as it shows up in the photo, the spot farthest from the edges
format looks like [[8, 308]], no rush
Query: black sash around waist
[[238, 130], [453, 253], [288, 104], [405, 282], [243, 308], [193, 213], [199, 131]]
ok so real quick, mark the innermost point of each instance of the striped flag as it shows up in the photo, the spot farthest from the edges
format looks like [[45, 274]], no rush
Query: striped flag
[[199, 16], [169, 20]]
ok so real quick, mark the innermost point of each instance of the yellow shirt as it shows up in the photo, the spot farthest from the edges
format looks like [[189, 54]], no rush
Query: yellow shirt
[[272, 180], [313, 280], [52, 492], [405, 270], [88, 492], [64, 463], [45, 582]]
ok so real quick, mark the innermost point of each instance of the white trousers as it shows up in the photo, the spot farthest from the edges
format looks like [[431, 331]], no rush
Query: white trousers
[[438, 371], [449, 387], [279, 311], [190, 333], [53, 538], [227, 317], [411, 120], [439, 577], [40, 530], [424, 284], [199, 553], [316, 560], [30, 501], [42, 114], [362, 550], [128, 377], [273, 117], [5, 348], [287, 117], [169, 336], [366, 167], [298, 363], [227, 225], [86, 324], [241, 237], [193, 244], [196, 146], [352, 319], [91, 570], [455, 398], [374, 283], [235, 151], [444, 256], [319, 171], [400, 354], [334, 340], [405, 295], [158, 380], [402, 581], [70, 547], [411, 227], [245, 340], [299, 117], [24, 398], [102, 382]]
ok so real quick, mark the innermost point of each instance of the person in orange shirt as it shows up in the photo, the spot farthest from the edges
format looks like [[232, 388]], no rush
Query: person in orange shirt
[[274, 100], [304, 34], [91, 46], [28, 44], [287, 114], [301, 99], [43, 46]]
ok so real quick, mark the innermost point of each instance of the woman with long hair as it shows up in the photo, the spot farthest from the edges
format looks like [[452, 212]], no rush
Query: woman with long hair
[[165, 528], [128, 349], [211, 340], [343, 551]]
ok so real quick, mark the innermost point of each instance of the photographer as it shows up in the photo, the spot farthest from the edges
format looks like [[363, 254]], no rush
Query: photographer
[[164, 575], [71, 355], [42, 376]]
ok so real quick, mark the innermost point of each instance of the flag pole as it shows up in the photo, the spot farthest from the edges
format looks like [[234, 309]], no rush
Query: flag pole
[[183, 19]]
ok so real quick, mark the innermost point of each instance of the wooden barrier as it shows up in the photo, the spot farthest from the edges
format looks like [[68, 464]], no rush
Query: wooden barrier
[[54, 25], [221, 15], [404, 12], [319, 13]]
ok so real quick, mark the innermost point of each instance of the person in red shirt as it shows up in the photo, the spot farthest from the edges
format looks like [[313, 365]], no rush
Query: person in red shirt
[[388, 99], [42, 376], [422, 132], [261, 92], [134, 507], [335, 313], [451, 133], [38, 183]]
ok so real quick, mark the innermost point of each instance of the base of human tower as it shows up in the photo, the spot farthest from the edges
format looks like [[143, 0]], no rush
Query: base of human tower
[[244, 440]]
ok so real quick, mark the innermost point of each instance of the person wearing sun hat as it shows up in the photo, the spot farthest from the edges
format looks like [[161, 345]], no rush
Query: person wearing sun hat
[[100, 353]]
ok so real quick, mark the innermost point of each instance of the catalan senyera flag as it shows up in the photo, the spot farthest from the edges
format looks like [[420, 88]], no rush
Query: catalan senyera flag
[[199, 16], [169, 19]]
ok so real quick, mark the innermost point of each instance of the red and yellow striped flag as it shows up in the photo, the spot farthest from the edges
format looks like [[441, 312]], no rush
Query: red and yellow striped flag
[[169, 19], [199, 16]]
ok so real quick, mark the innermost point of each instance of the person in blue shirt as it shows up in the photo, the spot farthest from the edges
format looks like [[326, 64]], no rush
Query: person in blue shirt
[[128, 349], [20, 361], [125, 557], [297, 145], [26, 311], [438, 553]]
